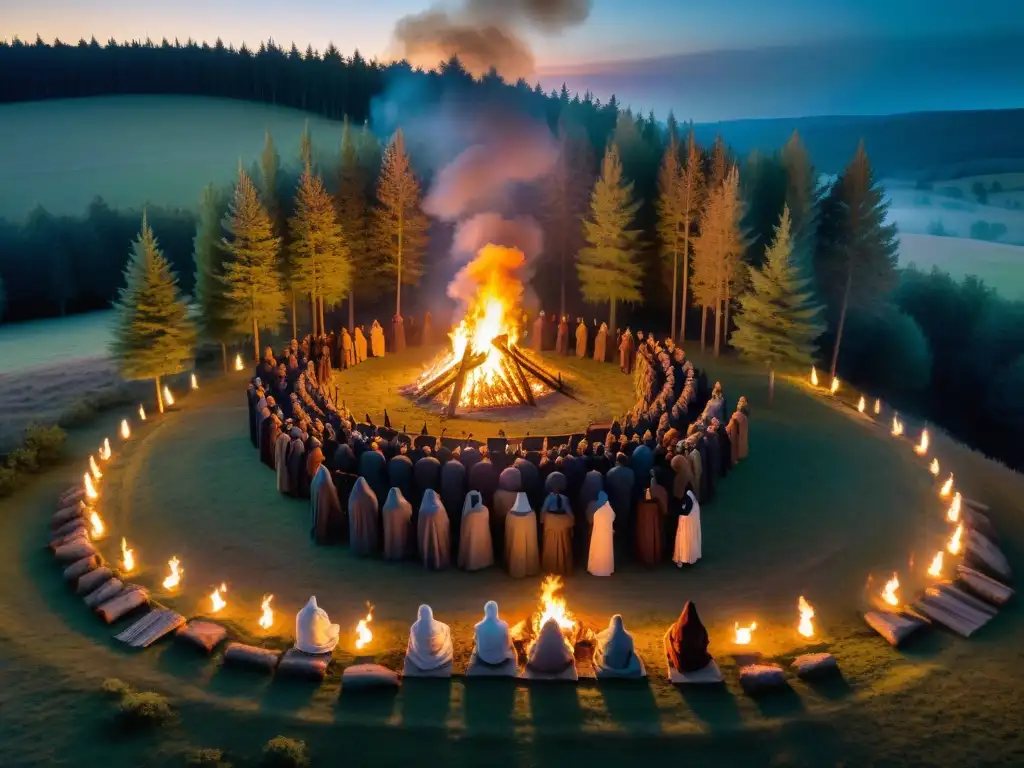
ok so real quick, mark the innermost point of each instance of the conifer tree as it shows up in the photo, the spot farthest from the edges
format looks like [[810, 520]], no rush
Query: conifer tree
[[803, 197], [153, 336], [607, 265], [270, 195], [670, 217], [778, 320], [320, 254], [208, 259], [253, 283], [354, 216], [399, 222], [856, 253], [691, 203], [719, 163], [306, 147]]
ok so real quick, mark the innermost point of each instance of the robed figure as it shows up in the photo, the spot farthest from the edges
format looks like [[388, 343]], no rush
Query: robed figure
[[601, 559], [475, 548], [626, 352], [397, 514], [522, 553], [362, 519], [398, 334], [428, 329], [581, 339], [360, 345], [348, 355], [601, 344], [562, 338], [537, 335], [432, 532], [376, 340], [688, 538], [737, 431], [557, 520], [327, 520]]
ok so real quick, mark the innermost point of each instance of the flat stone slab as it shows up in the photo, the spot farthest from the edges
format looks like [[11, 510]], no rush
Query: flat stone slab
[[93, 580], [150, 628], [204, 635], [79, 568], [981, 550], [709, 675], [612, 674], [993, 591], [122, 604], [478, 668], [365, 677], [250, 657], [307, 666], [814, 665], [758, 678], [110, 590], [411, 670], [74, 550], [567, 675], [894, 627]]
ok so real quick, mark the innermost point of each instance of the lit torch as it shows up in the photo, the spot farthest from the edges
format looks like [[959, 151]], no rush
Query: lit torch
[[878, 406], [814, 376], [897, 426], [889, 593], [922, 447], [947, 487], [127, 557], [216, 598], [267, 615], [142, 413], [744, 634], [174, 579], [238, 363], [935, 569], [194, 382], [834, 387], [953, 513], [126, 431], [363, 633], [94, 468], [934, 467], [90, 489], [97, 524], [168, 397], [955, 542], [861, 405], [806, 627], [105, 453]]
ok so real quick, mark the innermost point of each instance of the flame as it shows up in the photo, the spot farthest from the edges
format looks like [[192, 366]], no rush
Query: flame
[[97, 524], [194, 382], [861, 404], [267, 617], [955, 541], [953, 513], [168, 397], [806, 627], [126, 431], [878, 406], [94, 468], [922, 447], [552, 607], [897, 426], [142, 413], [127, 557], [814, 376], [105, 453], [216, 599], [238, 363], [174, 579], [90, 489], [363, 633], [745, 634], [947, 486], [889, 593], [935, 569], [934, 467], [834, 387]]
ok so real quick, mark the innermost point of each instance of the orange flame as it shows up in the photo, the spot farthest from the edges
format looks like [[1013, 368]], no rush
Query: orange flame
[[126, 431], [94, 468], [216, 599], [955, 542], [142, 413], [238, 363], [168, 397], [935, 569], [745, 634], [947, 487], [194, 382], [267, 615], [174, 579], [806, 627], [834, 387], [861, 404], [105, 453], [90, 489], [363, 634], [552, 607], [897, 426], [953, 513], [934, 467], [922, 447], [878, 406], [814, 376], [127, 557], [889, 593], [97, 524]]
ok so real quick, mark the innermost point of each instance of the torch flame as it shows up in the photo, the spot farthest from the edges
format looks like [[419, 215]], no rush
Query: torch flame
[[935, 569], [814, 376], [861, 404], [552, 607], [745, 634], [955, 542], [216, 599], [168, 397], [878, 406], [238, 363], [363, 633], [897, 426], [105, 453], [90, 489], [126, 431], [834, 387], [127, 557], [947, 486], [267, 617], [922, 447], [194, 382], [94, 468], [934, 467], [953, 513], [889, 593], [142, 413], [806, 627], [174, 579], [97, 524]]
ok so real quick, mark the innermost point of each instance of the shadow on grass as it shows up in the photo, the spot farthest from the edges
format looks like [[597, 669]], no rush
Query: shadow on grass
[[713, 705], [779, 702], [426, 701], [289, 692], [239, 682], [489, 705], [185, 662], [555, 702], [630, 704], [833, 687], [377, 705]]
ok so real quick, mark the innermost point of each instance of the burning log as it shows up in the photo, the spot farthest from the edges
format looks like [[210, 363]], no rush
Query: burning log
[[552, 606], [947, 487], [889, 592]]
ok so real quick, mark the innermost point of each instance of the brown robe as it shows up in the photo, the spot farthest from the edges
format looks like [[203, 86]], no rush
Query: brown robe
[[376, 339], [687, 641], [327, 517], [348, 358], [648, 531], [522, 555], [562, 339], [556, 546], [360, 346], [362, 520], [581, 340], [433, 532], [601, 345], [737, 431]]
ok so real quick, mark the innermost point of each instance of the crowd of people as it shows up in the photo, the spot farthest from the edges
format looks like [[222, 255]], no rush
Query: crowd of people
[[635, 487]]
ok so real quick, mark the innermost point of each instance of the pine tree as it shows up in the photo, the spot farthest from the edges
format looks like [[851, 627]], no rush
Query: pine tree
[[255, 297], [153, 336], [208, 259], [856, 253], [399, 223], [691, 199], [803, 197], [778, 320], [719, 163], [306, 147], [607, 265], [670, 217], [354, 216], [270, 195], [320, 254]]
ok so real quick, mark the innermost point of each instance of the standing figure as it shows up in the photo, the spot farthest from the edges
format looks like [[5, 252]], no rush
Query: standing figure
[[376, 340], [562, 339], [601, 344], [626, 352], [427, 329], [360, 345], [348, 358], [537, 337], [601, 558], [398, 331], [581, 339]]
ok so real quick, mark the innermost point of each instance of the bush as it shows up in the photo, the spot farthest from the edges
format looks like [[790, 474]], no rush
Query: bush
[[996, 186], [85, 410], [282, 752], [206, 758], [144, 709], [989, 231], [8, 480], [980, 192], [114, 687], [937, 228], [23, 461], [47, 442], [40, 448]]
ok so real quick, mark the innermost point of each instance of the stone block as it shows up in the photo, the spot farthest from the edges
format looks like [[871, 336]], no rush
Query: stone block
[[758, 678], [567, 675], [250, 657], [814, 665], [478, 668], [709, 675], [894, 627], [204, 635], [307, 666], [363, 677]]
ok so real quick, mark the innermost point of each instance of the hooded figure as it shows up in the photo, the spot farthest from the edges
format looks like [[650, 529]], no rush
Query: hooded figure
[[522, 555], [475, 548], [557, 520], [398, 331], [359, 345], [314, 632], [327, 520], [737, 430], [376, 340], [284, 484], [432, 533], [530, 475], [427, 476], [537, 334], [428, 329], [688, 537], [562, 339], [348, 353], [626, 352], [686, 643], [601, 558], [619, 484], [296, 459], [374, 468], [492, 639], [453, 494], [397, 515], [362, 520], [648, 530], [400, 474], [510, 483], [581, 339], [614, 653], [430, 642], [550, 653], [601, 344]]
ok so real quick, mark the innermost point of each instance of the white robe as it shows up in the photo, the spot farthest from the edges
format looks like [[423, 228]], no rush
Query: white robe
[[688, 540], [493, 640], [601, 561], [314, 632], [430, 642]]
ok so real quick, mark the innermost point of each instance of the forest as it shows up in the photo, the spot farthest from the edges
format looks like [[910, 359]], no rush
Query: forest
[[758, 257]]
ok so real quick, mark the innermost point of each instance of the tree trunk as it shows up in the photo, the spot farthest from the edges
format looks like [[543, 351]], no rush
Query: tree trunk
[[159, 396], [842, 319], [312, 306], [611, 328], [323, 324], [562, 311], [718, 314], [703, 325], [398, 270], [771, 384], [675, 290], [686, 280], [255, 339], [725, 332], [351, 311], [295, 322], [224, 355]]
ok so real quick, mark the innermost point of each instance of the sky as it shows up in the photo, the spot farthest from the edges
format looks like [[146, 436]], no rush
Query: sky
[[741, 46]]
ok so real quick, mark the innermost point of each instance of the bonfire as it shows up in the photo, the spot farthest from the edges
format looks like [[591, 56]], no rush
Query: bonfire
[[934, 467], [105, 453], [96, 525], [363, 634], [94, 468], [953, 513], [744, 635], [956, 540], [814, 376], [806, 626], [834, 387], [921, 448], [126, 431], [239, 365], [947, 487], [861, 404], [897, 426], [878, 406], [90, 489], [552, 606]]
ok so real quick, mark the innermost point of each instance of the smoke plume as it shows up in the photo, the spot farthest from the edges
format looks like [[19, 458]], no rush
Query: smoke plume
[[485, 33]]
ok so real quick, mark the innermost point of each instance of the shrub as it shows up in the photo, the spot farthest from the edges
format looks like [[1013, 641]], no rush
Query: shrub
[[144, 709], [980, 192], [114, 687], [206, 758], [47, 442], [985, 230], [937, 228], [8, 480], [282, 752], [996, 186], [40, 448], [23, 461]]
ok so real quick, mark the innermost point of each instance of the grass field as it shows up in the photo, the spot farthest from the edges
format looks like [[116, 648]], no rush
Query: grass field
[[1000, 266], [824, 501]]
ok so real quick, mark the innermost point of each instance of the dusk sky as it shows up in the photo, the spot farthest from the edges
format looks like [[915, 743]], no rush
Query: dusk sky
[[936, 54]]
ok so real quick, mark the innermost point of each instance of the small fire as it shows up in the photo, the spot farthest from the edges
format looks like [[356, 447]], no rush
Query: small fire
[[861, 404], [105, 453], [127, 557], [922, 447], [194, 382], [552, 607], [142, 413], [897, 426], [814, 376], [97, 524], [947, 487], [216, 598], [955, 542], [934, 467], [174, 579], [806, 627], [90, 489], [267, 617], [126, 431], [889, 593], [953, 513], [878, 406], [745, 634], [363, 633], [168, 397], [935, 569], [94, 468], [834, 387], [238, 363]]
